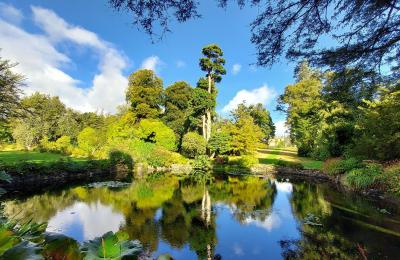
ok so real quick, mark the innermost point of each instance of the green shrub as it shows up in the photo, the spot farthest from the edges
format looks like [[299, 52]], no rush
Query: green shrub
[[201, 170], [247, 161], [294, 165], [155, 131], [193, 145], [220, 143], [91, 140], [321, 153], [163, 158], [221, 159], [120, 160], [390, 179], [337, 166], [364, 178], [63, 144]]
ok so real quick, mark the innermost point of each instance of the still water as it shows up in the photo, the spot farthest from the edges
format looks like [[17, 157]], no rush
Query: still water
[[235, 218]]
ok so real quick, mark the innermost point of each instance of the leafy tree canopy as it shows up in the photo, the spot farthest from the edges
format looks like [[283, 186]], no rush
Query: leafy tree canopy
[[144, 93], [177, 107], [154, 131], [10, 91], [261, 117], [193, 145], [367, 32], [212, 62]]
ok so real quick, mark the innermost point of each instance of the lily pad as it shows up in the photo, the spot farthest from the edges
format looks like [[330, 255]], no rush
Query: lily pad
[[111, 246]]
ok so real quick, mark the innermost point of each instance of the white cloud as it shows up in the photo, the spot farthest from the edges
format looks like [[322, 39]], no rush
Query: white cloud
[[42, 63], [280, 128], [273, 221], [152, 63], [10, 13], [237, 249], [94, 220], [251, 97], [180, 64], [285, 187], [236, 68]]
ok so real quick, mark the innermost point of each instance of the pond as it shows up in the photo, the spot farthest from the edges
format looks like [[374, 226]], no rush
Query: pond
[[235, 218]]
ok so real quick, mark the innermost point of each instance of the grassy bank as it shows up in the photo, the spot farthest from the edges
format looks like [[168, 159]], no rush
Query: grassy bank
[[34, 170], [13, 157], [279, 156]]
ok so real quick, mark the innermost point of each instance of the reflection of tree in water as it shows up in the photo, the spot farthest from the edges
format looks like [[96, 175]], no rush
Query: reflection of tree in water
[[309, 199], [188, 218], [250, 197], [141, 225], [39, 208], [317, 242]]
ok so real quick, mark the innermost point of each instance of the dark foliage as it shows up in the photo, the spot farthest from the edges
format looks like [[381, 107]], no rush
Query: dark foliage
[[10, 90], [367, 32], [147, 13]]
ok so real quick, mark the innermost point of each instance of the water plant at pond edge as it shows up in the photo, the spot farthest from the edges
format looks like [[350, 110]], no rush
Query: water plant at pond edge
[[30, 241], [364, 178]]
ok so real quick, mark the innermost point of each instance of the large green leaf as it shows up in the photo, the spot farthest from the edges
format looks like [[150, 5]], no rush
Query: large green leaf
[[23, 251], [111, 246], [7, 239]]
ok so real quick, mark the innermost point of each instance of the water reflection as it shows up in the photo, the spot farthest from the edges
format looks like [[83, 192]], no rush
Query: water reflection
[[84, 221], [237, 218]]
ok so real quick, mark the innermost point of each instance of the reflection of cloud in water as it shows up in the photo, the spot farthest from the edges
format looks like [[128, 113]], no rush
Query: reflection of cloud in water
[[271, 222], [237, 249], [94, 220], [284, 187]]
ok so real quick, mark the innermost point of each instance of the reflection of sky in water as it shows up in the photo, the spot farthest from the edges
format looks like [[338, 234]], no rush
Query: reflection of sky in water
[[83, 221], [255, 238]]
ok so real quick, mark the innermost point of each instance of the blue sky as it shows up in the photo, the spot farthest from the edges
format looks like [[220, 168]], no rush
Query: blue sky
[[83, 51]]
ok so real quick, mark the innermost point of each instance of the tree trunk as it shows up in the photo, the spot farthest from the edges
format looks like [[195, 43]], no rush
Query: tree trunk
[[208, 124], [203, 117]]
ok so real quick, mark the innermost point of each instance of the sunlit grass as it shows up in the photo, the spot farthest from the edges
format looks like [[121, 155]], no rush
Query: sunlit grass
[[273, 155], [12, 157]]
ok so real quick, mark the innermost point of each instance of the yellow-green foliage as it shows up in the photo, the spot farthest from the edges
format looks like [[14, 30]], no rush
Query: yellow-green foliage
[[121, 128], [90, 140], [62, 145], [248, 161], [162, 157], [193, 144], [155, 131], [153, 194]]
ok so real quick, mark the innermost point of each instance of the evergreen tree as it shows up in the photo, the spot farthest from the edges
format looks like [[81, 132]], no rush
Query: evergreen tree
[[213, 64], [144, 93]]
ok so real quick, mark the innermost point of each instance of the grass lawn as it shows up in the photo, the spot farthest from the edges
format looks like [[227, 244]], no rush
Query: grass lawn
[[273, 155], [11, 157]]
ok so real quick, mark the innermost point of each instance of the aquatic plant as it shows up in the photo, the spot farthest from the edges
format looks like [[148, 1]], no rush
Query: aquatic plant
[[111, 246]]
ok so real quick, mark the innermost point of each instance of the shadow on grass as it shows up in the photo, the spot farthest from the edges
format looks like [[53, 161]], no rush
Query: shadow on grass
[[268, 160], [278, 152]]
